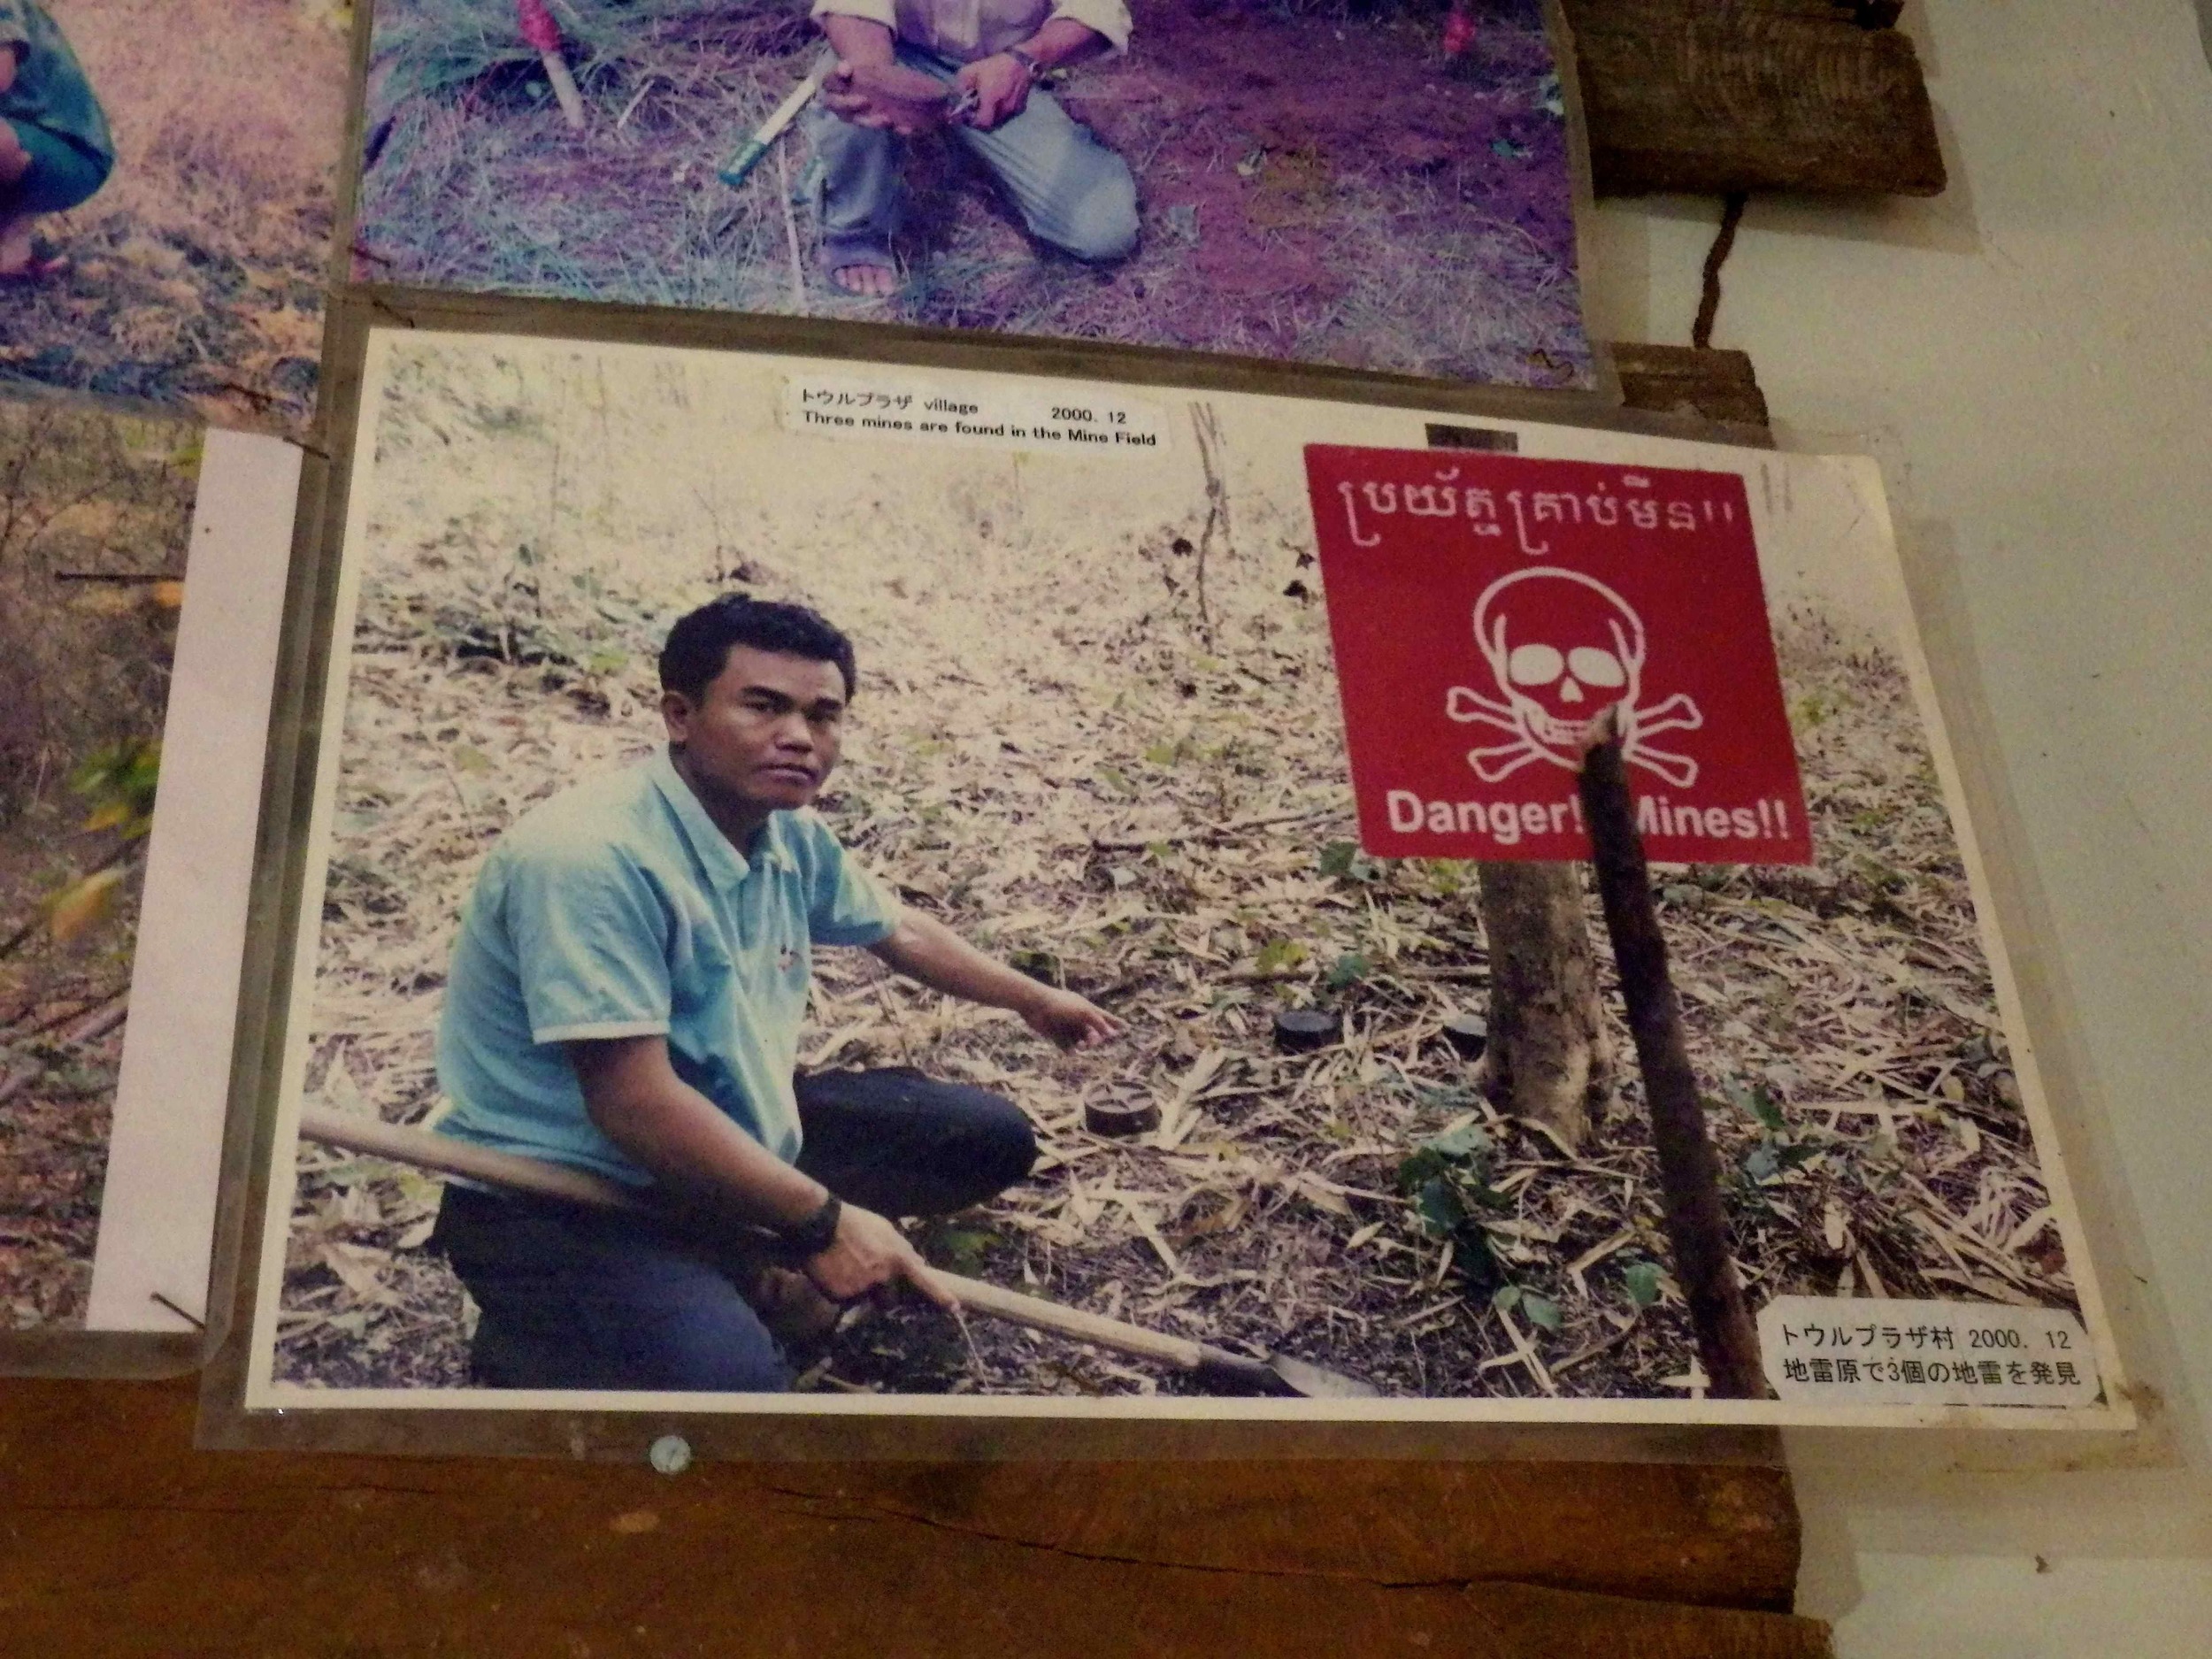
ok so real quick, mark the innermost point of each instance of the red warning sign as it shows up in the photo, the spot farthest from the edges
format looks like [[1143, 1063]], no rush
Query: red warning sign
[[1484, 609]]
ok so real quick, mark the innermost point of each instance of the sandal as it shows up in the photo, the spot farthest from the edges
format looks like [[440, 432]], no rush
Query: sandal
[[37, 269], [856, 249]]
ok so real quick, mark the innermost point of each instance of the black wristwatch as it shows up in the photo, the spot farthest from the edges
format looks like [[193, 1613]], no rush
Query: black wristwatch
[[809, 1238], [1034, 70]]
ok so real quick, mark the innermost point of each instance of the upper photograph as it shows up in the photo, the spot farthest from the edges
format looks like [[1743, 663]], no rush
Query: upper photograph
[[167, 198], [1387, 186]]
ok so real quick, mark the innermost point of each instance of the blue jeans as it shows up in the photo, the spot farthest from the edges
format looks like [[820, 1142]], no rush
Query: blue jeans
[[576, 1298], [1072, 191], [62, 173]]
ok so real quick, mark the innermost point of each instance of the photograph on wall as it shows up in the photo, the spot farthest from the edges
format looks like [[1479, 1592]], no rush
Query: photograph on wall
[[852, 887], [137, 642], [167, 200], [1389, 188]]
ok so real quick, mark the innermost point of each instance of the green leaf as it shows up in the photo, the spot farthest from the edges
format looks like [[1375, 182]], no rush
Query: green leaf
[[1336, 859], [1421, 1166], [1163, 754], [1348, 969], [1762, 1164], [1439, 1205], [963, 1249], [1279, 954], [1468, 1141], [1506, 1298], [1765, 1109], [469, 759], [1541, 1310], [1642, 1279]]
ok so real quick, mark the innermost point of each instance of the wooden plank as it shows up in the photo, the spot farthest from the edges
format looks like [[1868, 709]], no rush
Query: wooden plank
[[1715, 384], [122, 1541], [1710, 97]]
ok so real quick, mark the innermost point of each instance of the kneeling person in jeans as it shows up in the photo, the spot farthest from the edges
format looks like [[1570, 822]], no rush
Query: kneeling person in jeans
[[625, 996], [905, 67], [54, 148]]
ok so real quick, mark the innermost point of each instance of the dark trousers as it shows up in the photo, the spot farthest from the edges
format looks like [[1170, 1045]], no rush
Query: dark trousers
[[576, 1298]]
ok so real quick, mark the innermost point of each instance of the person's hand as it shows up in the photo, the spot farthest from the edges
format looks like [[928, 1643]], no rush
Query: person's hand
[[1000, 86], [905, 101], [1065, 1018], [869, 1251]]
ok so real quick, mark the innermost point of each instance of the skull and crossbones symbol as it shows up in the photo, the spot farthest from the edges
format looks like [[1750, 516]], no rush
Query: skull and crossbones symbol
[[1562, 648]]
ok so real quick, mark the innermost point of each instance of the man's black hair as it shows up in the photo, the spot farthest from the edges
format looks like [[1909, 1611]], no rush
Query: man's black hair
[[699, 645]]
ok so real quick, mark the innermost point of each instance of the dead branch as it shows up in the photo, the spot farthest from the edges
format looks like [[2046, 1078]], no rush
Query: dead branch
[[1689, 1169]]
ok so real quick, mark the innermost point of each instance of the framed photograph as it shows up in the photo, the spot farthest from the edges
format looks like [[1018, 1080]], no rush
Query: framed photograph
[[1391, 189], [142, 564], [836, 894], [167, 194]]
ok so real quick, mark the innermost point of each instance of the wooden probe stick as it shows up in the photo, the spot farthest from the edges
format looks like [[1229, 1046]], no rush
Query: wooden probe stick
[[543, 36], [1689, 1169]]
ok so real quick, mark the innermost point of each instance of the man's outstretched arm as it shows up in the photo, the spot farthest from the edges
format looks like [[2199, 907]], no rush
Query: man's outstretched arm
[[870, 87], [683, 1141], [924, 948]]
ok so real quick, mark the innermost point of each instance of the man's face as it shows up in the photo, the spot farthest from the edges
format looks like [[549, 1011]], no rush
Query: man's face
[[767, 732]]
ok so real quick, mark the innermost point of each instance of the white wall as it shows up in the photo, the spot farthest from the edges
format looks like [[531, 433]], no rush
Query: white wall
[[2030, 357]]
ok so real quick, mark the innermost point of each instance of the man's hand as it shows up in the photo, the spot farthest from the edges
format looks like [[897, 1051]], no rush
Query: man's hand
[[869, 1251], [1065, 1018], [925, 948], [1000, 84], [884, 94]]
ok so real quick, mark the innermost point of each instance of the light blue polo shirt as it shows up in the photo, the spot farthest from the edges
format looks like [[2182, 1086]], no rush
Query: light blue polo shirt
[[617, 909]]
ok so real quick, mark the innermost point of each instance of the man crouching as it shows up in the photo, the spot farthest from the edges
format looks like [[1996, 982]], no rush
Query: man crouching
[[625, 996], [905, 67]]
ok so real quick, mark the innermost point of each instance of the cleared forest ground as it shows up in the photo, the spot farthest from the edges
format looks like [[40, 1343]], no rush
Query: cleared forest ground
[[1115, 762]]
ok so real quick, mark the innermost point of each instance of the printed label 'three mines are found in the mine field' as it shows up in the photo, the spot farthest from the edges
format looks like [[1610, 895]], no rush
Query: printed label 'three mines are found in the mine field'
[[916, 409], [1873, 1351]]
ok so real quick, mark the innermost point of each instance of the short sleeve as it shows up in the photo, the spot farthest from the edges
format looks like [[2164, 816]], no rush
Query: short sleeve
[[883, 11], [591, 937], [845, 905], [1106, 18]]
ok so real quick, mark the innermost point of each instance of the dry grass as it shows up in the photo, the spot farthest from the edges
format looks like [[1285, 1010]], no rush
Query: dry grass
[[83, 666], [198, 269], [1129, 782], [1312, 186]]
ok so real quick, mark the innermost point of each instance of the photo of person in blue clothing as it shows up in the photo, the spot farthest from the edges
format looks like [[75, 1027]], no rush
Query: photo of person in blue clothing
[[625, 998], [54, 148]]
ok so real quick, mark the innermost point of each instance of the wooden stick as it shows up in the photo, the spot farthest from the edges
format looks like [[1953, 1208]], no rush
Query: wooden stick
[[1689, 1169], [353, 1133], [543, 36]]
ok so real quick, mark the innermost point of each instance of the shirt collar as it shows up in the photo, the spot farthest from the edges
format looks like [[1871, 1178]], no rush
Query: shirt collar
[[726, 866]]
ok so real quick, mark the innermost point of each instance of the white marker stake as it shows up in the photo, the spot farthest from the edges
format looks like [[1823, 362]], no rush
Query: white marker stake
[[544, 37]]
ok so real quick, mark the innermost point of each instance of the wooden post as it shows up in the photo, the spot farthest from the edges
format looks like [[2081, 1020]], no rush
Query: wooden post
[[1689, 1169]]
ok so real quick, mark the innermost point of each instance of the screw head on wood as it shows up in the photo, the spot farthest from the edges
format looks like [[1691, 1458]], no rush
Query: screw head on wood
[[670, 1455], [1469, 1035], [1121, 1117], [1302, 1030]]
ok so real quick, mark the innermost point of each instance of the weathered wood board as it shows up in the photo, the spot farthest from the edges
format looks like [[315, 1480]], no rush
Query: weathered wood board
[[1714, 384], [1710, 97], [122, 1541]]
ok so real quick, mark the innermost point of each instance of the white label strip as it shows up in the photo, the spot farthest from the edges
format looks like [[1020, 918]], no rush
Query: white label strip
[[1868, 1350], [916, 409]]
